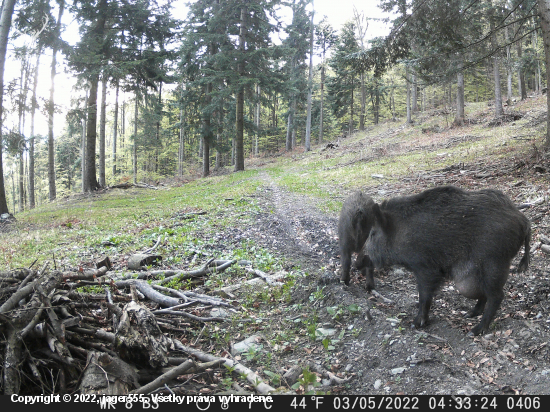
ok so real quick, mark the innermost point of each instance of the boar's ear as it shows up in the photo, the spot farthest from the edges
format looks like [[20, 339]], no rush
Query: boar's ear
[[380, 217]]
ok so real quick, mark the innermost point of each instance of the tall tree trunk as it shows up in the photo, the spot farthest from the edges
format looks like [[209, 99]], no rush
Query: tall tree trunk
[[5, 24], [544, 11], [392, 101], [91, 183], [459, 120], [496, 71], [414, 94], [157, 136], [522, 89], [134, 150], [257, 121], [239, 137], [83, 144], [363, 103], [322, 99], [376, 101], [23, 91], [181, 148], [409, 117], [115, 128], [51, 106], [102, 121], [290, 124], [34, 104], [309, 86], [351, 108], [207, 137]]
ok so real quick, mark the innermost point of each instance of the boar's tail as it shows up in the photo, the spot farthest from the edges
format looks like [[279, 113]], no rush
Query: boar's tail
[[525, 260]]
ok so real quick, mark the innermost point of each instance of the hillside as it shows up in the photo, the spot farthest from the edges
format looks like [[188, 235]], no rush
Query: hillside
[[280, 216]]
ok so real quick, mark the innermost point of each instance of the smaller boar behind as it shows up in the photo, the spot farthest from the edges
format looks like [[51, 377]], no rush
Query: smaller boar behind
[[443, 233], [354, 225]]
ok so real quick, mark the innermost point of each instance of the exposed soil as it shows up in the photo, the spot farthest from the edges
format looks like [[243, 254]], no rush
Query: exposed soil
[[388, 356]]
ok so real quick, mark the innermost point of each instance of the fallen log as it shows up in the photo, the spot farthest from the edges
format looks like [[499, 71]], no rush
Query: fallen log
[[107, 375], [138, 338]]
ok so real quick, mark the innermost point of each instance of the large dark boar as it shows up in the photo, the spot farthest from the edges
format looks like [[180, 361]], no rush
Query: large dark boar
[[449, 233], [354, 225]]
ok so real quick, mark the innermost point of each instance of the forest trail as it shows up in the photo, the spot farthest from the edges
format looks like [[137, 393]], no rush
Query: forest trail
[[385, 355]]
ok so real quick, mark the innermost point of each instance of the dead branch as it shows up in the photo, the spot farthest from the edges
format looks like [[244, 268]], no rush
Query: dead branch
[[181, 274], [252, 282], [378, 295], [166, 377], [154, 246], [262, 275], [258, 383], [20, 294], [149, 292], [88, 274], [192, 297], [190, 316], [333, 378]]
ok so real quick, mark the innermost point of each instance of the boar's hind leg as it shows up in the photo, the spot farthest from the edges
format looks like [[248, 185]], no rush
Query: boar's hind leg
[[478, 309], [345, 259], [493, 303]]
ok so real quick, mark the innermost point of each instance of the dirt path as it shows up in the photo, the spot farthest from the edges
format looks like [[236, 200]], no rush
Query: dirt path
[[386, 355]]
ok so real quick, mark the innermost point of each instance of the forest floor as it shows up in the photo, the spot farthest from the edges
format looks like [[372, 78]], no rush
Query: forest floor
[[287, 219], [385, 355]]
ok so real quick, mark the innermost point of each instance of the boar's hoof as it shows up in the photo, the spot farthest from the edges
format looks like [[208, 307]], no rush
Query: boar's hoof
[[476, 330], [420, 321]]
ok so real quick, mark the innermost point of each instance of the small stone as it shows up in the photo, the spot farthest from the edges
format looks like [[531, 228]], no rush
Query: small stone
[[397, 371], [377, 384]]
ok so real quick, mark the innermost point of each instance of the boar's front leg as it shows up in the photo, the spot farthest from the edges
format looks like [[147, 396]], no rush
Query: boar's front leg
[[365, 265], [426, 291]]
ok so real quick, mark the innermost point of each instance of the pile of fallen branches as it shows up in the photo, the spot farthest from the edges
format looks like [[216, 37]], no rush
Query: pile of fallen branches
[[128, 339]]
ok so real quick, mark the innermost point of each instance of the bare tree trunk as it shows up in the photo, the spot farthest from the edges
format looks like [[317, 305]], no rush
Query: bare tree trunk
[[134, 157], [239, 138], [459, 120], [102, 121], [5, 24], [309, 86], [290, 125], [91, 183], [496, 73], [351, 108], [83, 144], [257, 121], [206, 138], [414, 94], [23, 91], [322, 98], [181, 148], [409, 117], [544, 11], [115, 128], [521, 76], [51, 108], [34, 104]]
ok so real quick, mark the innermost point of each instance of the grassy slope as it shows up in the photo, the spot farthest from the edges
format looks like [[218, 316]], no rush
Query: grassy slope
[[74, 230]]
